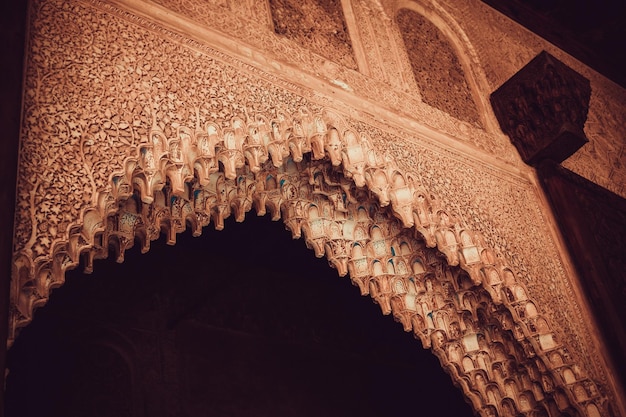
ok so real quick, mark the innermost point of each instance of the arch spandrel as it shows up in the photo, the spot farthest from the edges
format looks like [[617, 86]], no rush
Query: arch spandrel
[[190, 166]]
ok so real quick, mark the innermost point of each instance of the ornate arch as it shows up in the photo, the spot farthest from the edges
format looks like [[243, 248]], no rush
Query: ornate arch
[[413, 256]]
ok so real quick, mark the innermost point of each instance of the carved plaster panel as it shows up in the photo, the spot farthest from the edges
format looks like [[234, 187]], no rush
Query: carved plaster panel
[[131, 130], [436, 67], [383, 46], [602, 159], [248, 11], [318, 26], [378, 33], [500, 51]]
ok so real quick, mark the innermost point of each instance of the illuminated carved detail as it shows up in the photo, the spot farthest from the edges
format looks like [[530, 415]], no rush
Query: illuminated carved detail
[[477, 319], [436, 67], [316, 25], [378, 36], [543, 109], [112, 133]]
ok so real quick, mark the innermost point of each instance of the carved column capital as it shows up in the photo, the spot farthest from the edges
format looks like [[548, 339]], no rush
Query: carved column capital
[[543, 109]]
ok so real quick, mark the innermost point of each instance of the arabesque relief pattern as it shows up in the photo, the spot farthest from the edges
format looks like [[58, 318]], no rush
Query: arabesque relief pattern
[[316, 25], [126, 150], [387, 61], [500, 209], [436, 67], [368, 218], [601, 160], [405, 99]]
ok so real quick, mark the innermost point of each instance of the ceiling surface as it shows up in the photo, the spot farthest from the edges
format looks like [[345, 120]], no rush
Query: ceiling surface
[[594, 32]]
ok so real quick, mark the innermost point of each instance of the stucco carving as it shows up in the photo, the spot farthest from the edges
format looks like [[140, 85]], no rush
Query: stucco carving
[[600, 160], [543, 109], [378, 33], [382, 45], [478, 320], [485, 198], [122, 140], [436, 67], [318, 26]]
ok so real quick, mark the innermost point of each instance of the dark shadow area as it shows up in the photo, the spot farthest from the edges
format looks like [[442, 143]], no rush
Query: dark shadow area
[[592, 31], [242, 322], [12, 34]]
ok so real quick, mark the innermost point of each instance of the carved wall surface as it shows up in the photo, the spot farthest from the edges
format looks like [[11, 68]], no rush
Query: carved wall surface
[[225, 336], [383, 47], [506, 47], [499, 51], [131, 130], [316, 25], [602, 159], [385, 57], [436, 67]]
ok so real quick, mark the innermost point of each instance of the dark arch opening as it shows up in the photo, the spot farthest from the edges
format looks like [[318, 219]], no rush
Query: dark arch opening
[[241, 322]]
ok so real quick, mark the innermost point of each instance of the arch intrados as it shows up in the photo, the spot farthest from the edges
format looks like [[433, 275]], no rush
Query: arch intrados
[[396, 355], [96, 222]]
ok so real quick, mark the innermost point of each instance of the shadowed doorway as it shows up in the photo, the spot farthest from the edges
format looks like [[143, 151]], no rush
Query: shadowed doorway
[[242, 322]]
